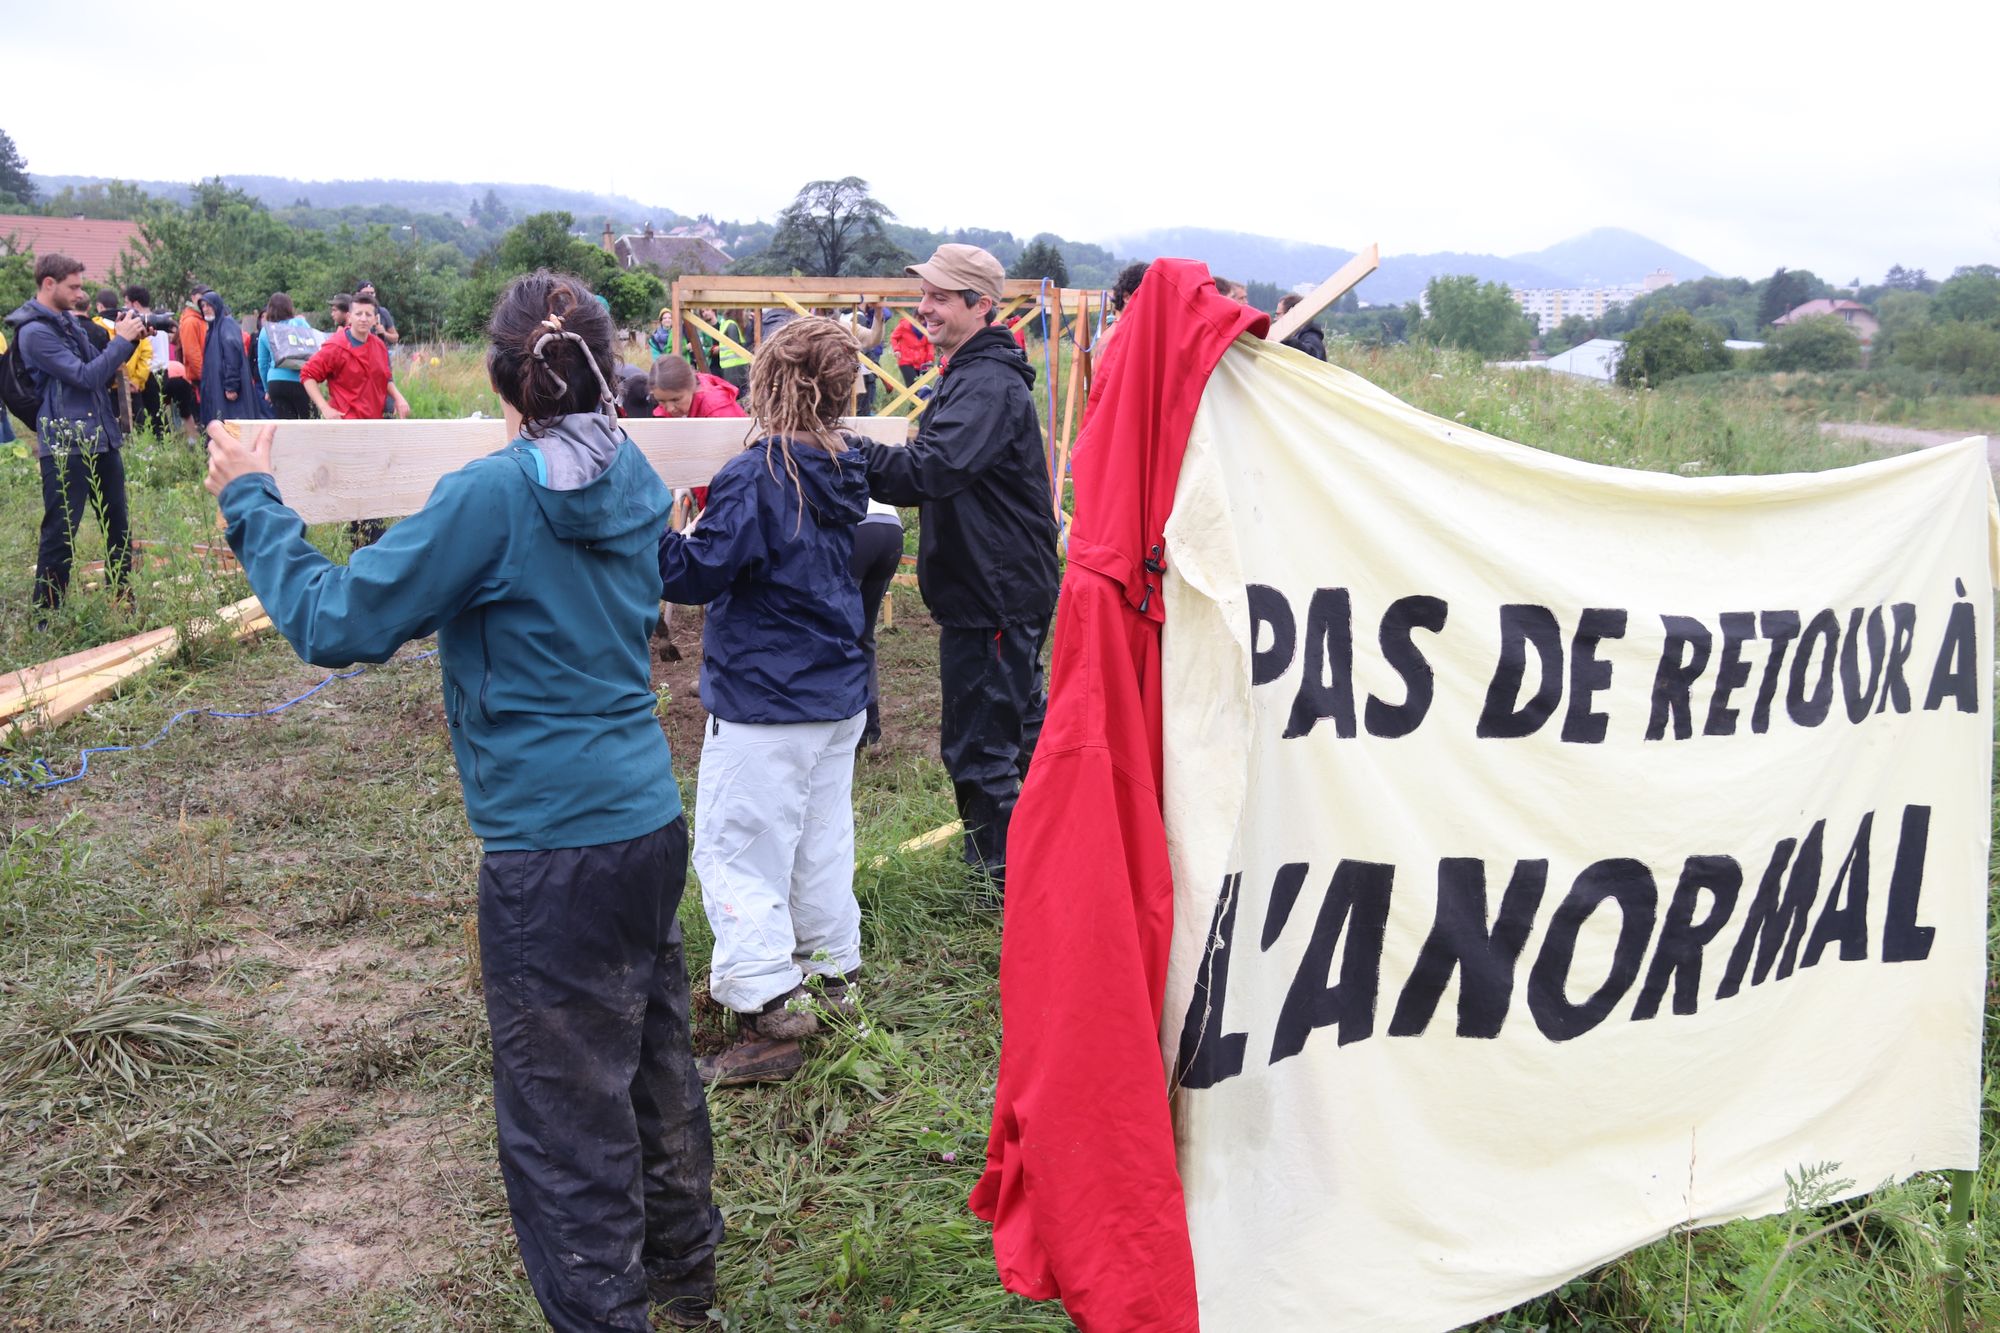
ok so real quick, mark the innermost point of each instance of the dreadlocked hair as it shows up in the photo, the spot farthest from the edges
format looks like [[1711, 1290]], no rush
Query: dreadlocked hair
[[802, 383]]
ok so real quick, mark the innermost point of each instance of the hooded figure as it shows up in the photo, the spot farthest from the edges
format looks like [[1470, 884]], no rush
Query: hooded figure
[[229, 388]]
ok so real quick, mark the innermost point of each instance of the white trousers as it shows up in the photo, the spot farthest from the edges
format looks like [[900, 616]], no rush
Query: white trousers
[[774, 847]]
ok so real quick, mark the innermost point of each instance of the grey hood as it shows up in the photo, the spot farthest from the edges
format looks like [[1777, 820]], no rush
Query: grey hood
[[578, 448]]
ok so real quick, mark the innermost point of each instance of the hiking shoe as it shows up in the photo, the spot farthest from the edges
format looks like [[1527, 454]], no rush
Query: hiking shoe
[[835, 997], [682, 1312], [786, 1018], [751, 1059]]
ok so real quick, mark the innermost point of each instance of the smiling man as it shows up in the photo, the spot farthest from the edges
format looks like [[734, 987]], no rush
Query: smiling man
[[986, 559]]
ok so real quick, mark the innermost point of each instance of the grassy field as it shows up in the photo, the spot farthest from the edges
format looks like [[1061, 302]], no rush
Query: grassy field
[[244, 1078]]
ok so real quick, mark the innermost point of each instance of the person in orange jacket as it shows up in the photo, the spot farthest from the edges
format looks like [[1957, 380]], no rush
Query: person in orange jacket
[[914, 353], [194, 336]]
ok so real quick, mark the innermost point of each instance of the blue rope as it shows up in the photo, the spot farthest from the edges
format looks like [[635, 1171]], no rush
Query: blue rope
[[39, 768]]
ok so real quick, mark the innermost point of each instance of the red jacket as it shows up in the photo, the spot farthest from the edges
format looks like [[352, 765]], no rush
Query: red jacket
[[1081, 1182], [356, 378], [912, 346], [713, 397]]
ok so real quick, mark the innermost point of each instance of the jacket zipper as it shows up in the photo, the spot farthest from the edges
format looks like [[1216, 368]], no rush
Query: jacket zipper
[[456, 718]]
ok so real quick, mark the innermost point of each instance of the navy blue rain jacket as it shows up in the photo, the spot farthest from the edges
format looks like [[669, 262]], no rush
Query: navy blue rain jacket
[[782, 639], [75, 379], [226, 369]]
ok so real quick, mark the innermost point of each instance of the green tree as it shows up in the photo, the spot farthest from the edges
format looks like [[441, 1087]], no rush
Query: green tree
[[17, 278], [544, 241], [117, 200], [1479, 317], [1574, 329], [1903, 313], [1669, 346], [635, 297], [1821, 342], [17, 190], [830, 229], [1041, 259], [1969, 295], [1784, 291]]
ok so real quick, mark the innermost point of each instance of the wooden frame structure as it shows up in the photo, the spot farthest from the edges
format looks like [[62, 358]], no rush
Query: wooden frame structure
[[823, 296], [1073, 316]]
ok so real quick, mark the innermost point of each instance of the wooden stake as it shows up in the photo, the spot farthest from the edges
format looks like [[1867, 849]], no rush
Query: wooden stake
[[1324, 295], [943, 833]]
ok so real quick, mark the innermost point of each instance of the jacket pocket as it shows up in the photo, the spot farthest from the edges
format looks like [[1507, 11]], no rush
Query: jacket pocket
[[455, 719]]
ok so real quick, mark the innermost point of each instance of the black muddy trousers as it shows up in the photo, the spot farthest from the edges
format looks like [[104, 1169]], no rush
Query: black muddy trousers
[[993, 703], [604, 1138]]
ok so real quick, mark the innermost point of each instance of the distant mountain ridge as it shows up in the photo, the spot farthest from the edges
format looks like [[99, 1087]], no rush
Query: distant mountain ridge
[[1605, 256], [451, 197]]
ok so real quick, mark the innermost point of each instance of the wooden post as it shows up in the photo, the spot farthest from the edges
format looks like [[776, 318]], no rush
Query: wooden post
[[1324, 295]]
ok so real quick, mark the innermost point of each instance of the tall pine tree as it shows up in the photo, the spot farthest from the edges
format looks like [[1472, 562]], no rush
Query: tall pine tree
[[16, 190]]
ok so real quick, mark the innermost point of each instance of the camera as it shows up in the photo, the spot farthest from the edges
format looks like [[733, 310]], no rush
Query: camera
[[157, 323]]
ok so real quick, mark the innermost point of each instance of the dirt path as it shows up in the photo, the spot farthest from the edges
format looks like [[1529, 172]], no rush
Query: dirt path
[[1898, 438]]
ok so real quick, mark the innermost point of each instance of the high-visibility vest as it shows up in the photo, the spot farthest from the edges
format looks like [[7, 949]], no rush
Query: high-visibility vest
[[726, 356]]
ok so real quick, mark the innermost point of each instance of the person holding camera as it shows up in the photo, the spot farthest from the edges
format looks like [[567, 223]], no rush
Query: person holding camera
[[77, 438]]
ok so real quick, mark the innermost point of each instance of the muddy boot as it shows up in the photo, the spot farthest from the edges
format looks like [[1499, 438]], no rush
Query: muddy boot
[[751, 1058], [835, 996], [682, 1312], [786, 1018]]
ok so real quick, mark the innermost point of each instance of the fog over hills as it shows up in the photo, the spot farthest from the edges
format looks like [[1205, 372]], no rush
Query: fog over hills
[[1603, 256]]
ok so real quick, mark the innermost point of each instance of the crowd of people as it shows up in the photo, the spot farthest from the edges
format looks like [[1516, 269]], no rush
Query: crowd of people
[[543, 624]]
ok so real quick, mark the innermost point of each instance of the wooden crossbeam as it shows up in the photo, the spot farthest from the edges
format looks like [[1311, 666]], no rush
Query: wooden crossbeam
[[345, 471], [702, 289], [1324, 295]]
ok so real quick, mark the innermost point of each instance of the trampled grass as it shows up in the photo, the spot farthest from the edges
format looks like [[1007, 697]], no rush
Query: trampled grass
[[246, 1071]]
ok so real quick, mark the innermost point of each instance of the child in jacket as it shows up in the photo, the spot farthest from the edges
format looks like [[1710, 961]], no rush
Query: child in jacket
[[785, 684]]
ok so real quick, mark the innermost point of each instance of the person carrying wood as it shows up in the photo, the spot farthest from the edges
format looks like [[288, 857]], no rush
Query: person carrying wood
[[536, 567]]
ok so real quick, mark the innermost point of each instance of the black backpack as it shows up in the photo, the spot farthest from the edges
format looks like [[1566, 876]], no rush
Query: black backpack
[[19, 388]]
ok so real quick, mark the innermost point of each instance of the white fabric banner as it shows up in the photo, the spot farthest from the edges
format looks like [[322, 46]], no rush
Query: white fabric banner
[[1562, 854]]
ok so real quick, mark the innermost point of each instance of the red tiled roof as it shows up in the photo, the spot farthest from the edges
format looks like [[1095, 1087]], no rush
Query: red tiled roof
[[1821, 306], [97, 243]]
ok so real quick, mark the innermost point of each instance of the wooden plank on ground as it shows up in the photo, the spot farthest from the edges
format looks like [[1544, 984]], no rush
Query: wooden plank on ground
[[1324, 295], [18, 686], [68, 700], [341, 471], [59, 703], [942, 834]]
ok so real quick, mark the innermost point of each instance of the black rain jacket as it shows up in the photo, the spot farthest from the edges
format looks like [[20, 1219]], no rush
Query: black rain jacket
[[979, 474]]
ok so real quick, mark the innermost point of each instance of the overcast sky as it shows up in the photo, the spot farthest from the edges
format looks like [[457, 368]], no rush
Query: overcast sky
[[1840, 138]]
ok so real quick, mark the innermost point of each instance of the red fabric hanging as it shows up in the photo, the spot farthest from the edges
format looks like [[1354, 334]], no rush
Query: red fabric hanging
[[1081, 1183]]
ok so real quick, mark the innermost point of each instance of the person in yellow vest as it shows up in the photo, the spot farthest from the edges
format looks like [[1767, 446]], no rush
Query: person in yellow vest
[[731, 364], [138, 369]]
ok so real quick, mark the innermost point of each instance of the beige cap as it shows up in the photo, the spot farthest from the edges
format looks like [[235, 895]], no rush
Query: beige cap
[[962, 268]]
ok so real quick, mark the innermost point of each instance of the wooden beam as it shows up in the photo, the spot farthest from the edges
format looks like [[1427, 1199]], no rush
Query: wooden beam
[[698, 289], [18, 688], [1324, 295], [344, 471]]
